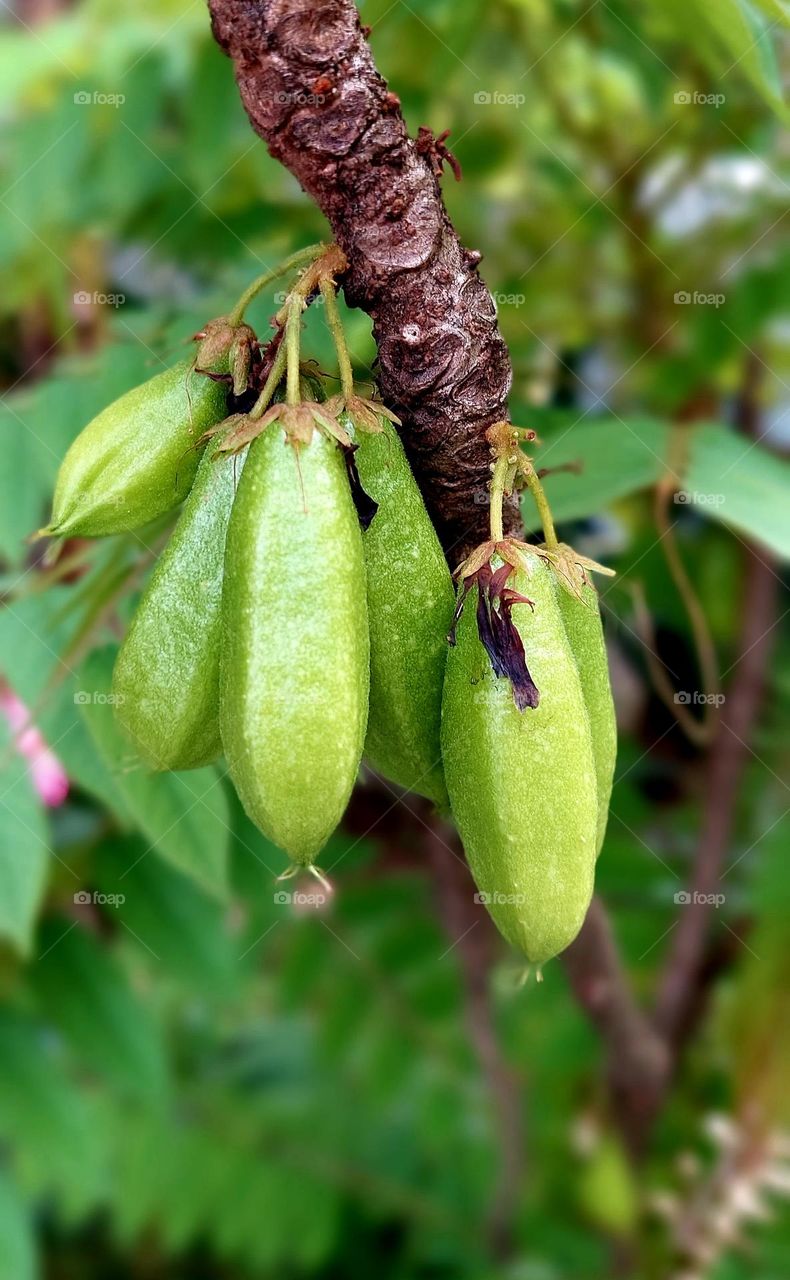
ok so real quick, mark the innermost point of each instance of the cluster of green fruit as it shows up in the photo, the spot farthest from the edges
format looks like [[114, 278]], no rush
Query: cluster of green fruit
[[298, 619]]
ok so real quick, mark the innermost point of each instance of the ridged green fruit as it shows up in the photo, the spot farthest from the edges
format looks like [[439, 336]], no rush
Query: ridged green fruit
[[522, 783], [137, 459], [582, 618], [166, 678], [410, 609], [295, 655]]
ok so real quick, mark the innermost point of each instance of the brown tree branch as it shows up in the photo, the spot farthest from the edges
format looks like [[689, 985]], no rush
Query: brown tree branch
[[312, 92], [638, 1060], [470, 931], [729, 756]]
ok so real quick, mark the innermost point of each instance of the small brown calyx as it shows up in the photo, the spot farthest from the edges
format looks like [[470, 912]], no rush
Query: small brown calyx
[[364, 413], [226, 352], [571, 568], [299, 422]]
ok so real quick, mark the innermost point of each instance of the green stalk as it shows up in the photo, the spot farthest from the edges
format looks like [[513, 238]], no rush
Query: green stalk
[[293, 324], [329, 295], [288, 264], [541, 502]]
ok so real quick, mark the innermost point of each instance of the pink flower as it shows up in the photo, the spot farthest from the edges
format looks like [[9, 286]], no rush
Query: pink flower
[[48, 775]]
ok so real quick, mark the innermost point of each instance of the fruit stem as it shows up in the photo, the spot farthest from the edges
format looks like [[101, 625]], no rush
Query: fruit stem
[[270, 386], [288, 264], [496, 497], [293, 325], [329, 295], [541, 502]]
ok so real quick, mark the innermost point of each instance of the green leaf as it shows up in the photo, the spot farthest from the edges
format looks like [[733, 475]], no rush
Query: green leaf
[[24, 849], [741, 484], [615, 458], [172, 919], [84, 990], [17, 1243], [44, 1119], [184, 816], [741, 41]]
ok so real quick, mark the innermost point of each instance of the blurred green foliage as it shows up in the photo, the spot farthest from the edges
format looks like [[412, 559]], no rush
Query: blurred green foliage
[[194, 1080]]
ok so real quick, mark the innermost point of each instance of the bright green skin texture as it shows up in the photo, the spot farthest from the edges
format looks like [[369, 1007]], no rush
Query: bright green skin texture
[[295, 655], [136, 459], [166, 676], [522, 783], [410, 609], [582, 618]]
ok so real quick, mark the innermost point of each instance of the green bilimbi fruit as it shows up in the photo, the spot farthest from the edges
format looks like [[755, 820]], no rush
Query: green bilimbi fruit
[[522, 783], [137, 459], [410, 608], [295, 656], [578, 604], [166, 678]]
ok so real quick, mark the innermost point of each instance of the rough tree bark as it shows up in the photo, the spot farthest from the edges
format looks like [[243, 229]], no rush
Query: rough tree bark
[[312, 92]]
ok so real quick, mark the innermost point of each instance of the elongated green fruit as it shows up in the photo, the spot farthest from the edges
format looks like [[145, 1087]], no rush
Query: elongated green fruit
[[295, 656], [166, 679], [410, 608], [522, 783], [136, 460], [582, 618]]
